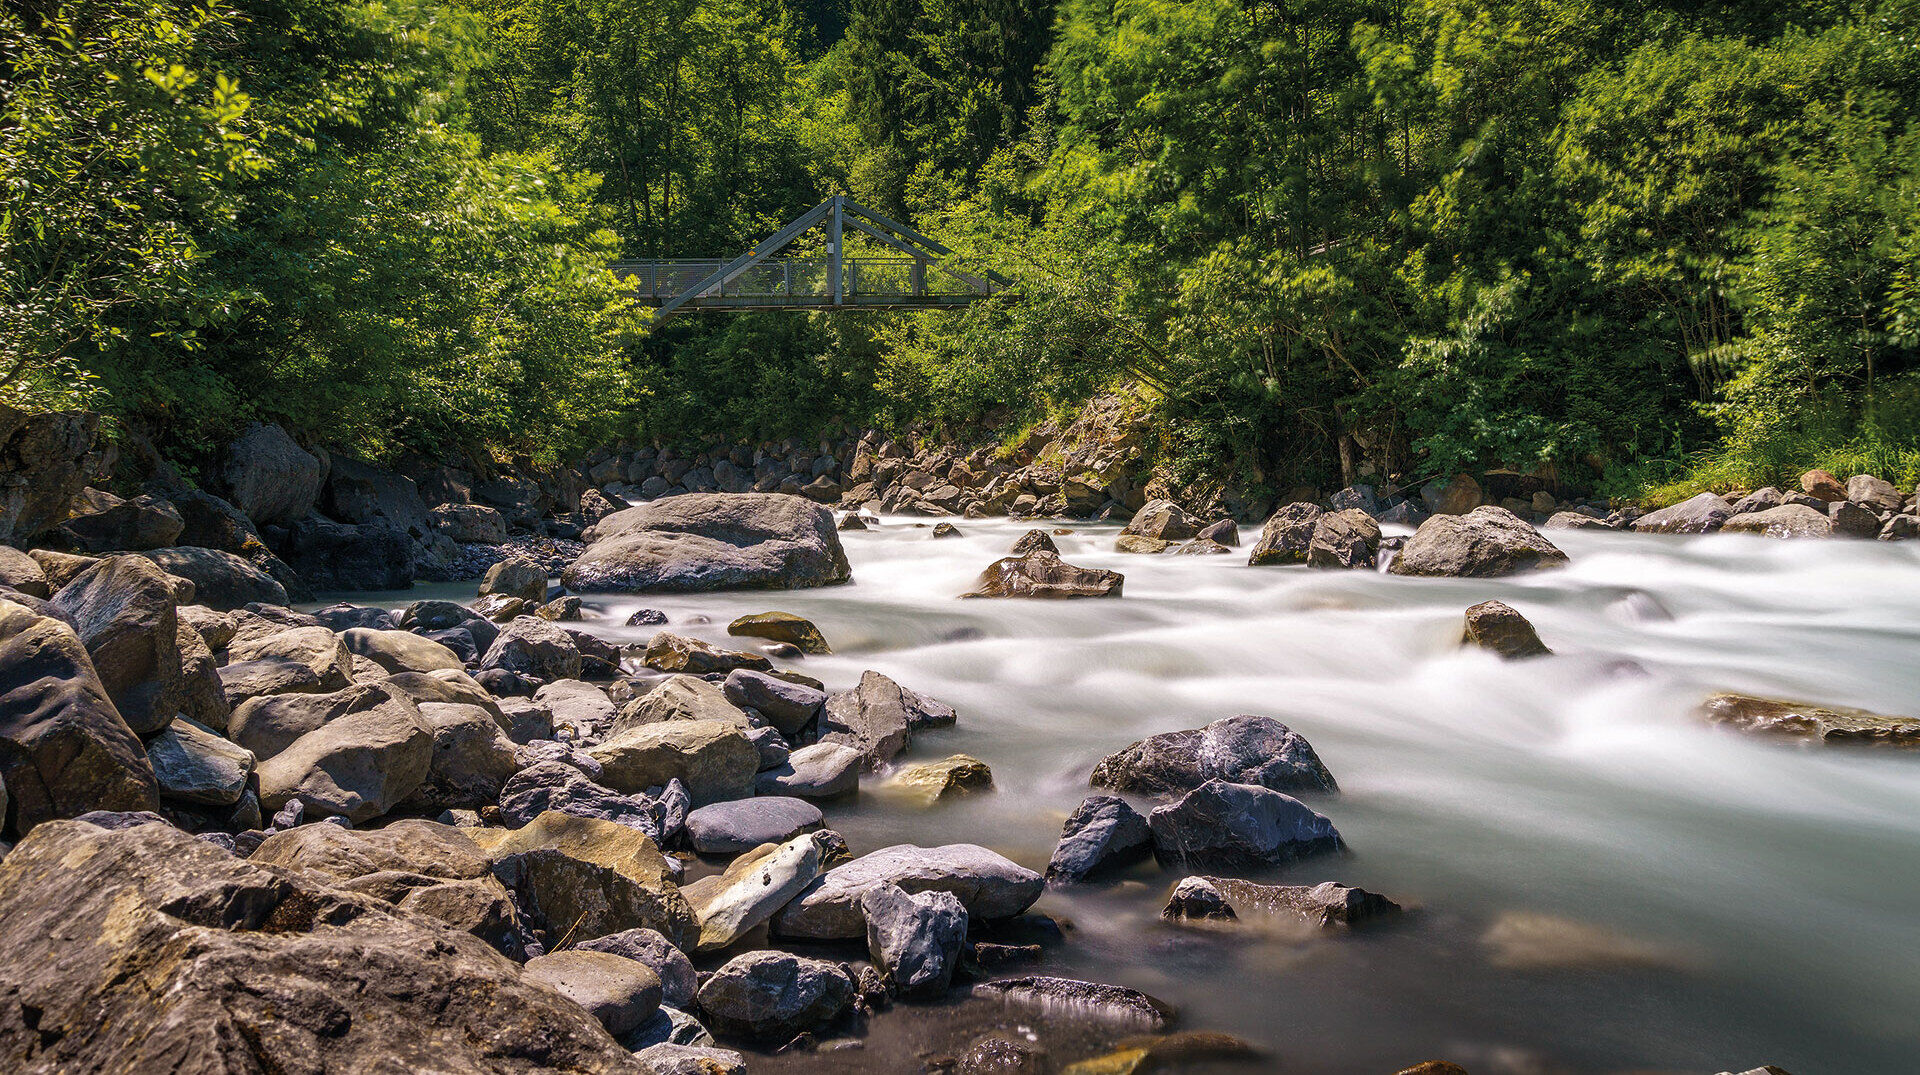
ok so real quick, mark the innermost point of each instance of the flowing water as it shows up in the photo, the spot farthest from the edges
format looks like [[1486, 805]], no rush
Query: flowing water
[[1764, 897]]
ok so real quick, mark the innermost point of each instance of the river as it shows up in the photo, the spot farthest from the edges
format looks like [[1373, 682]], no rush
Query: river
[[1772, 890]]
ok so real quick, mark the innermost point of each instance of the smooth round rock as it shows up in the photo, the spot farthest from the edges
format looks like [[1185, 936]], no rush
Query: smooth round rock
[[729, 828]]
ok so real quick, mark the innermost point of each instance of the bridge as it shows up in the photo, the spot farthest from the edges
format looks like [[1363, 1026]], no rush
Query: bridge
[[921, 277]]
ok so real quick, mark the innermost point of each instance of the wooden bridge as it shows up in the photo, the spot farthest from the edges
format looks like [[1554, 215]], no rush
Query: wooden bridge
[[921, 279]]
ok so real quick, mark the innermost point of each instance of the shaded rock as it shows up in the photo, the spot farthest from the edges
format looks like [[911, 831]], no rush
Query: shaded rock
[[647, 617], [772, 996], [1238, 826], [44, 463], [1703, 514], [1202, 547], [787, 706], [1327, 905], [782, 627], [359, 765], [928, 783], [472, 757], [469, 524], [60, 567], [1103, 833], [342, 556], [1494, 625], [989, 885], [426, 616], [1457, 496], [1198, 899], [1066, 998], [915, 940], [1244, 749], [1035, 541], [345, 617], [23, 573], [1344, 539], [555, 785], [123, 610], [269, 724], [1900, 528], [1852, 520], [271, 479], [1044, 574], [1786, 521], [670, 965], [755, 887], [102, 522], [729, 828], [620, 992], [1287, 537], [711, 541], [714, 759], [1818, 724], [1223, 532], [533, 647], [817, 771], [669, 652], [400, 651], [192, 764], [582, 878], [516, 576], [1484, 543]]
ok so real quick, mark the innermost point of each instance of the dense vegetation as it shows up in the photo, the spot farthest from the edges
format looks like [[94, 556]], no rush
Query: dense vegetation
[[1668, 239]]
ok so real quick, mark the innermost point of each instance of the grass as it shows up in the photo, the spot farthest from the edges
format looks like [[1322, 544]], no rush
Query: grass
[[1781, 461]]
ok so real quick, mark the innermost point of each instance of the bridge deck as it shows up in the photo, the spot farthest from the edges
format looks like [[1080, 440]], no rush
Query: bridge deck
[[797, 284]]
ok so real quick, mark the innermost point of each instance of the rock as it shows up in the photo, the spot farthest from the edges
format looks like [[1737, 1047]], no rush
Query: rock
[[341, 556], [345, 617], [1244, 749], [1875, 494], [270, 478], [358, 492], [1348, 538], [755, 887], [45, 460], [787, 706], [198, 939], [851, 521], [577, 703], [1103, 833], [1238, 826], [1224, 532], [1822, 486], [1900, 528], [1044, 574], [567, 609], [400, 651], [681, 697], [647, 617], [425, 616], [1573, 520], [771, 996], [1202, 547], [620, 992], [998, 1056], [500, 608], [669, 652], [1035, 541], [469, 524], [711, 541], [1457, 496], [23, 573], [192, 764], [358, 766], [915, 940], [123, 610], [1163, 520], [554, 785], [516, 576], [818, 771], [1852, 520], [533, 647], [782, 627], [1135, 543], [270, 724], [1287, 537], [582, 878], [300, 660], [669, 1058], [1323, 906], [405, 846], [60, 567], [729, 828], [64, 748], [946, 530], [1494, 625], [928, 783], [1198, 899], [1433, 1067], [1110, 1005], [1759, 500], [1484, 543], [1703, 514], [1786, 521], [670, 965], [987, 884], [713, 758], [1530, 941], [102, 522], [1812, 723], [872, 718], [472, 757]]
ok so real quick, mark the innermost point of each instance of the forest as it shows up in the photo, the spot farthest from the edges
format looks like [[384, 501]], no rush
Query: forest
[[1646, 247]]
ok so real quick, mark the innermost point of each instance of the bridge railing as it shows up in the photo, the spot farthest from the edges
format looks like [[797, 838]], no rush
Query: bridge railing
[[793, 278]]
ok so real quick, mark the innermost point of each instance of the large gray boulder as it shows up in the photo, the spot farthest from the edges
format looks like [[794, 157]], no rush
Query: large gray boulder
[[1702, 514], [1163, 520], [989, 885], [714, 759], [786, 705], [192, 764], [1044, 574], [771, 996], [622, 993], [271, 478], [343, 556], [220, 579], [815, 771], [1785, 521], [711, 541], [678, 982], [23, 573], [1486, 542], [1875, 493], [1245, 749], [399, 651], [516, 576], [1103, 833], [269, 724], [151, 950], [472, 758], [1287, 537], [123, 609], [1228, 826], [873, 718], [581, 878], [102, 522], [555, 785], [914, 939], [357, 766], [531, 646], [729, 828], [1348, 538], [358, 492]]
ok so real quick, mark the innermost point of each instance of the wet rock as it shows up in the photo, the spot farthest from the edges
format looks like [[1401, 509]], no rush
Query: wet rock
[[669, 652], [771, 996], [123, 610], [1852, 520], [1104, 833], [729, 828], [1786, 521], [1822, 486], [1486, 542], [1433, 1067], [1035, 541], [1703, 514], [1224, 532], [1834, 726], [1163, 520], [358, 765], [1875, 494], [713, 758], [945, 530], [1245, 749], [1496, 626], [1344, 539], [533, 647], [1530, 941], [582, 878], [1287, 537], [851, 521], [928, 783], [1327, 905], [987, 884], [787, 706], [817, 771], [516, 576], [670, 965], [618, 991], [669, 1058], [1573, 520], [192, 764], [711, 541], [1065, 998], [1198, 899], [1231, 826], [998, 1056], [782, 627], [1044, 575], [915, 940], [499, 608], [197, 937], [755, 887]]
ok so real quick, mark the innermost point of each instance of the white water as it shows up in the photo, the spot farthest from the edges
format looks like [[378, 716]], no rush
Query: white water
[[1786, 879]]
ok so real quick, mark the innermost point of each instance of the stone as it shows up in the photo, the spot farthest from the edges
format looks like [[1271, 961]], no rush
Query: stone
[[1198, 899], [64, 748], [60, 567], [678, 982], [669, 1058], [817, 771], [469, 524], [1245, 749], [472, 757], [1223, 532], [578, 704], [681, 697], [556, 785], [669, 652], [406, 846], [729, 828], [425, 616], [1703, 514], [568, 609], [647, 617], [916, 940], [771, 996], [989, 885], [998, 1056], [1573, 520], [224, 964], [872, 718], [1035, 541], [584, 878], [620, 992], [1852, 520], [1822, 486], [1348, 538], [1496, 626], [1202, 547], [1144, 546], [1900, 528], [783, 627], [516, 576], [500, 608], [1830, 725], [1043, 574], [341, 556], [1287, 537], [711, 541], [400, 651], [1487, 542], [1103, 833], [23, 573], [755, 887], [1324, 906], [928, 783], [1232, 826], [124, 612], [1457, 496], [1163, 520], [1875, 494], [533, 647], [715, 759], [270, 478], [269, 724], [192, 764], [102, 522], [947, 530], [301, 660], [1109, 1005], [45, 460], [1786, 521], [345, 617], [358, 766], [788, 706], [1759, 500], [358, 492]]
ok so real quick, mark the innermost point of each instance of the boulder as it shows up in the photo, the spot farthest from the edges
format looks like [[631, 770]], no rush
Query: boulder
[[1573, 520], [582, 878], [1287, 537], [23, 573], [516, 576], [472, 758], [1141, 546], [102, 522], [1822, 486], [1484, 543], [1103, 833], [358, 766], [755, 887], [1457, 496], [1786, 521], [1852, 520], [669, 652], [64, 749], [577, 704], [1494, 625], [620, 992], [915, 940], [729, 828], [989, 885], [123, 610], [271, 479], [61, 567], [678, 982], [1348, 538], [1759, 500], [1327, 905], [469, 524], [1111, 1006], [1163, 520], [533, 647], [1875, 494], [928, 783], [297, 660], [670, 1058], [782, 627], [400, 651], [1043, 574], [427, 616], [556, 785], [787, 706], [1831, 725], [1035, 541], [342, 556], [342, 616], [192, 764], [270, 724], [1245, 749], [1703, 514], [568, 609], [151, 950], [1232, 826], [816, 771], [714, 759], [407, 846], [873, 718], [711, 541], [44, 464], [681, 697], [771, 996], [358, 492]]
